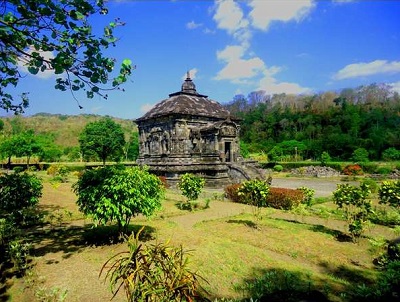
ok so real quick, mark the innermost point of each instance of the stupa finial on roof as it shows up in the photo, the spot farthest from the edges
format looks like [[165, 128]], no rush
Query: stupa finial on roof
[[188, 85]]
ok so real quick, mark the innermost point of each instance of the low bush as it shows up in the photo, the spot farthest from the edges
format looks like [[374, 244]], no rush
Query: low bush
[[278, 168], [279, 198], [308, 195], [386, 288], [164, 181], [353, 170], [285, 199], [369, 167], [383, 170], [231, 192], [154, 272], [372, 184], [384, 217]]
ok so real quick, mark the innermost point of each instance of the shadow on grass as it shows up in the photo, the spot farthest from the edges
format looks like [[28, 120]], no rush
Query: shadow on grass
[[73, 239], [281, 285], [248, 223], [338, 235], [351, 275]]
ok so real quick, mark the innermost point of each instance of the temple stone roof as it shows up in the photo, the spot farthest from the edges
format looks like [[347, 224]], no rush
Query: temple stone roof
[[187, 101]]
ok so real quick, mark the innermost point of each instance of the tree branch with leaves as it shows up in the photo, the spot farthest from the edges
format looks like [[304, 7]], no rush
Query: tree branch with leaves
[[56, 36]]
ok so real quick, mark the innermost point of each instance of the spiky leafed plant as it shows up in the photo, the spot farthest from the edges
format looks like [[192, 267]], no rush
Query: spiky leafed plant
[[154, 272]]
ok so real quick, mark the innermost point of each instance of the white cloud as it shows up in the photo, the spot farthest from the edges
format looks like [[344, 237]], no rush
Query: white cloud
[[229, 16], [146, 107], [193, 25], [237, 68], [272, 86], [264, 12], [367, 69], [24, 60], [192, 73], [395, 86]]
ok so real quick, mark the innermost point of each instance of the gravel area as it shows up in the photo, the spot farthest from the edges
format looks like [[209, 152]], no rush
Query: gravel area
[[322, 187]]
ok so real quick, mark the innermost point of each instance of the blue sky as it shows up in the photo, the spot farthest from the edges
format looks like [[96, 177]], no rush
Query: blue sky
[[232, 47]]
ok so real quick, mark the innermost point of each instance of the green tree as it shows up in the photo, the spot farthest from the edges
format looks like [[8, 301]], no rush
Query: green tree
[[27, 144], [104, 138], [131, 148], [56, 36], [117, 194]]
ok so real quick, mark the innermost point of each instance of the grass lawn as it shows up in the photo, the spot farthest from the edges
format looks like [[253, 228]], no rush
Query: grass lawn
[[229, 247]]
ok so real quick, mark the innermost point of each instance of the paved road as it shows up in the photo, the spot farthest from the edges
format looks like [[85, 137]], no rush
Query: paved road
[[322, 187]]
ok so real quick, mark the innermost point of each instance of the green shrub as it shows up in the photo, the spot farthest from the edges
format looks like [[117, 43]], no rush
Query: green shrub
[[384, 170], [154, 272], [308, 195], [117, 194], [389, 193], [191, 186], [391, 154], [369, 167], [254, 192], [59, 172], [360, 155], [372, 184], [278, 168], [334, 165], [385, 217], [282, 198], [19, 196], [18, 169], [386, 288], [325, 158], [356, 206], [19, 254]]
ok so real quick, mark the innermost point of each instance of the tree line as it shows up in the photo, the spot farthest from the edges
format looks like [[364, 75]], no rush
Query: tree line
[[305, 126], [100, 140]]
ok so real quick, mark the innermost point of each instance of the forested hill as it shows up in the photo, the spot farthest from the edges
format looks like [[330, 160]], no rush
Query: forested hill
[[65, 129], [284, 126]]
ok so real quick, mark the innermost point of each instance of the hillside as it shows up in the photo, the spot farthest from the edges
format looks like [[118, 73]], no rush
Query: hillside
[[65, 128]]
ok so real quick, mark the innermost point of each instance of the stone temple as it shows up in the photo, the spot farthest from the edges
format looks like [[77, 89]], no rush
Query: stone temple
[[189, 133]]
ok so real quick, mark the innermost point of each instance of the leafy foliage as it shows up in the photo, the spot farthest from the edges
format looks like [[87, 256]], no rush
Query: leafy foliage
[[360, 155], [308, 195], [155, 272], [56, 36], [104, 138], [254, 192], [391, 154], [325, 158], [389, 193], [19, 195], [117, 194], [355, 205], [191, 186]]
